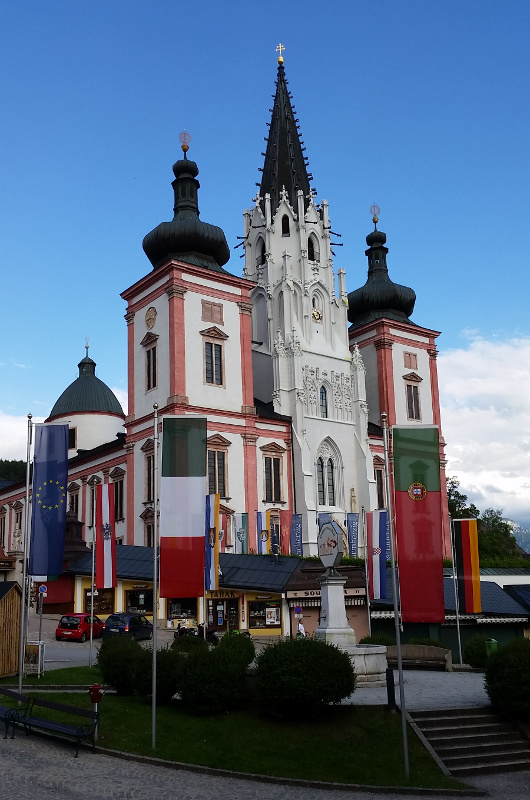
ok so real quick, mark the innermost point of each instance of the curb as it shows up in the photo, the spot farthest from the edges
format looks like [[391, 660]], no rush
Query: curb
[[307, 784]]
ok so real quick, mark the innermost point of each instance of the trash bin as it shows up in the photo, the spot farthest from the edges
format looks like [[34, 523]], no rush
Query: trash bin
[[491, 646]]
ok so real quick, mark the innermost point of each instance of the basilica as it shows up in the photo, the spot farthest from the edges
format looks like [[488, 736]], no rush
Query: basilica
[[291, 372]]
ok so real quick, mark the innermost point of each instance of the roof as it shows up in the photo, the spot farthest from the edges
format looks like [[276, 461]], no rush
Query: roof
[[307, 573], [495, 601], [131, 562], [520, 593], [264, 573], [266, 411], [6, 586], [87, 393], [4, 483]]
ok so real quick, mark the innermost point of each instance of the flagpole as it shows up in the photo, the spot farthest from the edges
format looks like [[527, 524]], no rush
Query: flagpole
[[396, 606], [366, 581], [155, 582], [457, 605], [25, 541], [94, 534]]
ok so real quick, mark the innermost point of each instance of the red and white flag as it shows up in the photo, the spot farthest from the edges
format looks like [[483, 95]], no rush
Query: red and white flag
[[105, 537]]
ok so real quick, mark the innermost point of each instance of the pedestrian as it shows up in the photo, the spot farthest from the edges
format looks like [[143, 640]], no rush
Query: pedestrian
[[301, 630]]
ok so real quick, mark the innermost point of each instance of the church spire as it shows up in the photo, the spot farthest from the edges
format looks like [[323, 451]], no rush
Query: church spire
[[285, 163]]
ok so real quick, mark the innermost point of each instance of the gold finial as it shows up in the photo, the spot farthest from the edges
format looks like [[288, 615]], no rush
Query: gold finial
[[280, 50], [185, 138], [375, 211]]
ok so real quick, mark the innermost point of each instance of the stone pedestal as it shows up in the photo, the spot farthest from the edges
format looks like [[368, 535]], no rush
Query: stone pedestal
[[369, 660]]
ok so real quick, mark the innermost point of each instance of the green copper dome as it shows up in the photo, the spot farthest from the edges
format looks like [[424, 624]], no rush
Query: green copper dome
[[87, 394]]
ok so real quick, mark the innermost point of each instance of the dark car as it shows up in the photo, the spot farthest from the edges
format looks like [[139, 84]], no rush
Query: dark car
[[135, 625], [77, 626]]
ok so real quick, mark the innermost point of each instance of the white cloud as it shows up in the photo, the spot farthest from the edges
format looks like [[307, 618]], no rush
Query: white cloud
[[485, 404], [122, 396], [14, 436]]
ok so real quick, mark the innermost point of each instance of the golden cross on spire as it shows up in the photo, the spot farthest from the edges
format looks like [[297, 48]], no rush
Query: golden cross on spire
[[280, 50]]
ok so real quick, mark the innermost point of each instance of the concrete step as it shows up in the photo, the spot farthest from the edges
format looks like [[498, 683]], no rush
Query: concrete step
[[482, 740], [441, 720], [483, 768], [459, 748], [456, 730], [453, 712], [501, 754]]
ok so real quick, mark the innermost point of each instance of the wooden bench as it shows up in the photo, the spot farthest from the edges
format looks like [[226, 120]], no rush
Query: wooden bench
[[31, 721], [10, 714], [420, 656]]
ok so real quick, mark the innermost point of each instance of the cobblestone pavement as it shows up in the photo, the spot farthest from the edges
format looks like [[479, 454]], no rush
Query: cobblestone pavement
[[34, 768], [428, 690]]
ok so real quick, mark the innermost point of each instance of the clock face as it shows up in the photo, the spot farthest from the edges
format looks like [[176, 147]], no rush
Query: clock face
[[150, 317], [317, 315]]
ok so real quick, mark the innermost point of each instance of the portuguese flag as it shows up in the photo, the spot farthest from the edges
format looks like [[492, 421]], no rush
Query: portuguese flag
[[467, 565], [183, 506], [418, 507]]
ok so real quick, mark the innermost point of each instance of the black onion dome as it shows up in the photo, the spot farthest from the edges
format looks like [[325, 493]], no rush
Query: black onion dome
[[186, 238], [380, 297], [87, 394]]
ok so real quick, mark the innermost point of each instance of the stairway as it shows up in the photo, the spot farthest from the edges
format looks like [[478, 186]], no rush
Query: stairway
[[473, 741]]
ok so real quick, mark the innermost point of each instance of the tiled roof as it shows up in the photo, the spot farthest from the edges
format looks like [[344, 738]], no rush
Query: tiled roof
[[131, 562], [256, 572]]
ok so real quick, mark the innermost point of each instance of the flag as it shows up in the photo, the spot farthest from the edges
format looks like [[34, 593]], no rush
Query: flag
[[211, 573], [182, 506], [48, 513], [241, 533], [285, 528], [274, 537], [418, 505], [376, 532], [296, 535], [222, 532], [467, 565], [352, 526], [262, 532], [105, 537]]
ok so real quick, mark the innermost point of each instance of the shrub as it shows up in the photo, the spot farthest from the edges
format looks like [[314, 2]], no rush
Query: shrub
[[168, 664], [296, 677], [238, 647], [427, 642], [189, 644], [116, 660], [475, 652], [210, 682], [378, 638], [507, 678]]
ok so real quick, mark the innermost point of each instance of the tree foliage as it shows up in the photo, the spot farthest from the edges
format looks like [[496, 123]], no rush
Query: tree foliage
[[12, 470]]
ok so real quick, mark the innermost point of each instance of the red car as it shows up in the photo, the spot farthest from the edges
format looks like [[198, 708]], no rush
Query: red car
[[77, 626]]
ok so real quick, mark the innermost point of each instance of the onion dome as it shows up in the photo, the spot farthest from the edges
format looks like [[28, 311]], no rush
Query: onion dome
[[87, 394], [186, 238], [380, 297]]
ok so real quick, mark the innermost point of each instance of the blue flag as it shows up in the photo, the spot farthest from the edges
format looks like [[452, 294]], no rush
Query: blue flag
[[352, 523], [296, 535], [48, 513]]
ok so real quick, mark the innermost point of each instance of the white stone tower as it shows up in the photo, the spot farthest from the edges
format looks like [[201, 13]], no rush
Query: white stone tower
[[301, 357]]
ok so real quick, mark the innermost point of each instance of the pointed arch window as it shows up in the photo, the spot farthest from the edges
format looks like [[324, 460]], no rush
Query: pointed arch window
[[261, 257], [323, 402], [285, 226], [331, 482], [313, 253], [326, 481], [320, 482]]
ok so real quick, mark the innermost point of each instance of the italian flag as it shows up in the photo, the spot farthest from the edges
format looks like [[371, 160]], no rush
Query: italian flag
[[182, 506], [105, 537], [418, 508]]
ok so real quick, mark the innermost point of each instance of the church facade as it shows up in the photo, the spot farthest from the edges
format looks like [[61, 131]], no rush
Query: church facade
[[292, 395]]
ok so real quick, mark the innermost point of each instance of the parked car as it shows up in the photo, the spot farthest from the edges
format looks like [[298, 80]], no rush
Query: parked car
[[135, 625], [77, 627]]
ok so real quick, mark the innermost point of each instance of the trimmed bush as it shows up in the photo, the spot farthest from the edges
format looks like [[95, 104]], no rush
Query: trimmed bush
[[210, 682], [475, 652], [116, 659], [297, 677], [507, 678], [189, 644], [379, 638], [427, 642], [168, 664], [238, 647]]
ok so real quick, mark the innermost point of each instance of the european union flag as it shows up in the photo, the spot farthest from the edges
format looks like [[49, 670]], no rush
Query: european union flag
[[48, 513]]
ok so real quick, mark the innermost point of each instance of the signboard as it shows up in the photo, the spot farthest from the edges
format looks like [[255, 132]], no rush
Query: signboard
[[329, 543], [42, 588], [34, 658]]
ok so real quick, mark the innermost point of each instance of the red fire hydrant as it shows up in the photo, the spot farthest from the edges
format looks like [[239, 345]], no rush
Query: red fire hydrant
[[95, 692]]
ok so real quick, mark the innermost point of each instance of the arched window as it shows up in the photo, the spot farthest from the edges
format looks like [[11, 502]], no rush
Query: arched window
[[312, 248], [285, 225], [323, 402], [320, 482], [331, 483], [261, 258]]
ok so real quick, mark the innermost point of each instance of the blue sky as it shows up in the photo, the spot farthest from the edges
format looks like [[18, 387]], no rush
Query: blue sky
[[421, 107]]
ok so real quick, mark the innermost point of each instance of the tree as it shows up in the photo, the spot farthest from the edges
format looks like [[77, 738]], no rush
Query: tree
[[12, 470], [457, 502]]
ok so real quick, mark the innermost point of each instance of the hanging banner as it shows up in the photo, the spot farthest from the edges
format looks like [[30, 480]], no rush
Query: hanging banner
[[467, 566], [352, 525], [296, 535], [285, 530]]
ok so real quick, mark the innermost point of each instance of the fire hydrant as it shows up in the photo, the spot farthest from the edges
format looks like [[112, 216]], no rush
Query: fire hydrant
[[96, 693]]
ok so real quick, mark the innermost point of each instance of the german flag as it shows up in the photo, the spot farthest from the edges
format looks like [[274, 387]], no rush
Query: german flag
[[467, 565]]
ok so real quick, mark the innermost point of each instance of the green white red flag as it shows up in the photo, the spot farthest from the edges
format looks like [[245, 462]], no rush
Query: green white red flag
[[418, 506], [182, 506]]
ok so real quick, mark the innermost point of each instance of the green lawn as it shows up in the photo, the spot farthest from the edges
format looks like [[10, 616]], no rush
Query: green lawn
[[347, 744], [68, 676]]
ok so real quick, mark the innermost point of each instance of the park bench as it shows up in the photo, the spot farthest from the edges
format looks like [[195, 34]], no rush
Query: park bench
[[420, 656], [31, 721], [10, 713]]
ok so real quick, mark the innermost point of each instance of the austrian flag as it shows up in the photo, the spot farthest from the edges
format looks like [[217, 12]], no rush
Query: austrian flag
[[105, 537]]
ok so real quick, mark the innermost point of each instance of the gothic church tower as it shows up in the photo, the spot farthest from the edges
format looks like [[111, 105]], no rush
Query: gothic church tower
[[301, 359]]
